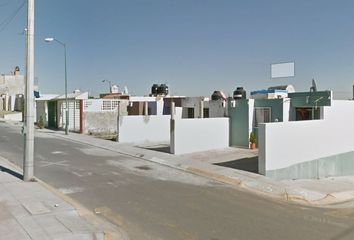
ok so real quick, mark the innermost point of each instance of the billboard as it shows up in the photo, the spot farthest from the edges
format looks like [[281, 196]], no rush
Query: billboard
[[282, 70]]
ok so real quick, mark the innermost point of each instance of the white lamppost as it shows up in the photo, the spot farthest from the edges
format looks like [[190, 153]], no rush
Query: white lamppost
[[51, 39]]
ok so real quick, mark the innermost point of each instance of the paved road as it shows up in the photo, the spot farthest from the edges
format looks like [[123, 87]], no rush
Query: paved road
[[154, 202]]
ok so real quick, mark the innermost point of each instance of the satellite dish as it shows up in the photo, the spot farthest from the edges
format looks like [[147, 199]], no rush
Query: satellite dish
[[314, 86]]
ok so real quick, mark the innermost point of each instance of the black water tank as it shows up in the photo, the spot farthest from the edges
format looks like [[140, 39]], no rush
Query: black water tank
[[239, 93], [216, 96], [154, 89], [162, 89]]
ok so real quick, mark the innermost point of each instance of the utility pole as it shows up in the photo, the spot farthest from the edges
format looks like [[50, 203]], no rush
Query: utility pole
[[29, 123]]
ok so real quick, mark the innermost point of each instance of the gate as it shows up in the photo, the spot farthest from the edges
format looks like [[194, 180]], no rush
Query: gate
[[52, 114]]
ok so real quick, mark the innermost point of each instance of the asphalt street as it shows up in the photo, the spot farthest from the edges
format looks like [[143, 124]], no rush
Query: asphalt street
[[150, 201]]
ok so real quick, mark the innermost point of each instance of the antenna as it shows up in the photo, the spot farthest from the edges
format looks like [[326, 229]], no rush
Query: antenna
[[314, 86]]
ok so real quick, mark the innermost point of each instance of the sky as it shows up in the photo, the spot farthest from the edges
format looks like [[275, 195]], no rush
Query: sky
[[194, 46]]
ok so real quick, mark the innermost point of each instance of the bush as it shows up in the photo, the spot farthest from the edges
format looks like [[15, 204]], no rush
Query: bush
[[253, 137], [40, 123]]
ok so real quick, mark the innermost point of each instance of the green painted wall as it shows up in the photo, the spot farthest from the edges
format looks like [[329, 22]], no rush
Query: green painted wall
[[239, 123], [276, 106], [239, 118], [310, 99]]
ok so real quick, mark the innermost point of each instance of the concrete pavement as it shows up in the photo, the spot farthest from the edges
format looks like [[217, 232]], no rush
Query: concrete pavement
[[29, 211]]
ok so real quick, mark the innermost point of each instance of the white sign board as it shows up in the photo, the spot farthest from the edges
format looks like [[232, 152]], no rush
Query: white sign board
[[280, 70]]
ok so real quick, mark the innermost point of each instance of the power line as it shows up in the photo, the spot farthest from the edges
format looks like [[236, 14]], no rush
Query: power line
[[11, 17]]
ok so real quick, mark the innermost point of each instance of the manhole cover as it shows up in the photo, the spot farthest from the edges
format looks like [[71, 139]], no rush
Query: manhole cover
[[144, 168]]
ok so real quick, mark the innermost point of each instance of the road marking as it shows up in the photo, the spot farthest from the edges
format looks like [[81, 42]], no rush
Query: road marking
[[40, 157], [57, 152], [77, 174], [112, 184], [84, 174], [60, 163], [71, 190]]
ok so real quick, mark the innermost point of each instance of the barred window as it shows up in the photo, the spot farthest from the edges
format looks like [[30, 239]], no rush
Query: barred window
[[107, 105], [114, 104]]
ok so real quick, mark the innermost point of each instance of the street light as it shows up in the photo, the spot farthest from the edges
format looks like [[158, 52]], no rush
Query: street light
[[51, 39], [110, 84]]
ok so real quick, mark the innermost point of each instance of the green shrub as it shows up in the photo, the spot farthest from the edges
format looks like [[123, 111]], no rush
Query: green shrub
[[253, 137], [40, 123]]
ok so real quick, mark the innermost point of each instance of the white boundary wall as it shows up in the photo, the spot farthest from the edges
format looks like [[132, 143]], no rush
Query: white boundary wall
[[284, 144], [144, 129], [195, 135]]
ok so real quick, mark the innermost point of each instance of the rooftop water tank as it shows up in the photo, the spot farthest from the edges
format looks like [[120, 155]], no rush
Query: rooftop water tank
[[218, 95], [154, 89], [239, 93], [162, 89]]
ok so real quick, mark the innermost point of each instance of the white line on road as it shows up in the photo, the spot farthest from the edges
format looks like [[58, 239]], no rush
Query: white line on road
[[60, 163], [58, 152], [71, 190]]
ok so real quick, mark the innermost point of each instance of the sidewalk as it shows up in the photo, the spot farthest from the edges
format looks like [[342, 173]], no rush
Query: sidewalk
[[300, 191], [29, 211]]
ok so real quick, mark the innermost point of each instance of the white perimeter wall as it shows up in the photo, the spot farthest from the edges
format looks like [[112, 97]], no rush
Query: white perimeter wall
[[288, 143], [144, 128], [194, 135]]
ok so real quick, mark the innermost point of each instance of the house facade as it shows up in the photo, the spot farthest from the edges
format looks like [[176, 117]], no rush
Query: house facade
[[12, 89]]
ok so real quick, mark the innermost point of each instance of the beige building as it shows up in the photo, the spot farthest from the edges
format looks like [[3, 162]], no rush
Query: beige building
[[11, 87]]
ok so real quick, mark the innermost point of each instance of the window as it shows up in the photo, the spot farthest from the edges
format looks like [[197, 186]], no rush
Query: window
[[262, 115], [115, 104], [190, 112], [307, 114], [206, 112], [87, 104], [107, 105]]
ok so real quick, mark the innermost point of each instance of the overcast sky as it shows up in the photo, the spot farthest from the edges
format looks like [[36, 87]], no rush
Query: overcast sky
[[195, 46]]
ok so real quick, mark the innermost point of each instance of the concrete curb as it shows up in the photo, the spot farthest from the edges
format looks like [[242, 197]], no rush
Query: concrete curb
[[220, 178]]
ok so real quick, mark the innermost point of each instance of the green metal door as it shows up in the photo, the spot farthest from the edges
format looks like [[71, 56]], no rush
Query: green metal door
[[52, 116]]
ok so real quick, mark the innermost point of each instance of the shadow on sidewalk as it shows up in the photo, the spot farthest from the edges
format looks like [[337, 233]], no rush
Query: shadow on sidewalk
[[11, 172], [245, 164], [165, 148]]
